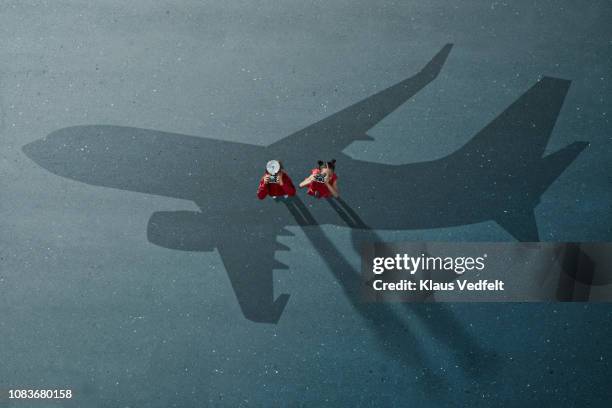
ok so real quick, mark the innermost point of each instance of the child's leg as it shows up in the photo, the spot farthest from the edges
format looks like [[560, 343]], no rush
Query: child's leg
[[303, 210], [295, 212], [345, 217], [346, 213], [356, 218]]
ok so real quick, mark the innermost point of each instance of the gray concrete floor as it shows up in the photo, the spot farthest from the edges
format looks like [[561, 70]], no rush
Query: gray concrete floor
[[90, 304]]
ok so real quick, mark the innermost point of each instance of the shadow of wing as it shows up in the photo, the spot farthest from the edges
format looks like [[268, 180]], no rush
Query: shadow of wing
[[249, 260], [247, 252], [337, 131], [506, 158]]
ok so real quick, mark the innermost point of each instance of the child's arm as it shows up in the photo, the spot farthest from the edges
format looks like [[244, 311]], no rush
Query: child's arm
[[307, 181], [262, 190]]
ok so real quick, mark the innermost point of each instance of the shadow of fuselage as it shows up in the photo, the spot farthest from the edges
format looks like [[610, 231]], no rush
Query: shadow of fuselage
[[495, 176], [498, 175]]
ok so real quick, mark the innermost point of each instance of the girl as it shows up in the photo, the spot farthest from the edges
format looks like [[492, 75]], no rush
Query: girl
[[275, 184], [322, 182]]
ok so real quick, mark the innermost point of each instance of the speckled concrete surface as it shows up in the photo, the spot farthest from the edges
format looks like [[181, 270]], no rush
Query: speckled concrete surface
[[89, 303]]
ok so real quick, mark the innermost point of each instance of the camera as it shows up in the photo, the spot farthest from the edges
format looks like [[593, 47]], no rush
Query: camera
[[319, 178], [273, 168]]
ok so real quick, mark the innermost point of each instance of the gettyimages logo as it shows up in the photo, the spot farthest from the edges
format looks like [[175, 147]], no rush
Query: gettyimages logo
[[486, 271], [414, 264]]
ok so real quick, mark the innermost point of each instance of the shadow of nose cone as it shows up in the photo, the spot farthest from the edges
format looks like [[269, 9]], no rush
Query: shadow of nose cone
[[50, 155], [57, 152], [83, 153], [34, 150]]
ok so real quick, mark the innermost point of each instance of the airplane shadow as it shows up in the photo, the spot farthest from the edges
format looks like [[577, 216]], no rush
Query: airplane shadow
[[250, 274], [402, 342], [498, 175]]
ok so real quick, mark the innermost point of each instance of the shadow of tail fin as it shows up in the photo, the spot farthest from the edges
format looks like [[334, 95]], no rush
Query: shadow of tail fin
[[521, 132], [521, 223], [507, 154], [555, 163]]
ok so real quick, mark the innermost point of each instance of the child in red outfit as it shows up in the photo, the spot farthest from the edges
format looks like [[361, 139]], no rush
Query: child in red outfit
[[281, 185], [323, 181]]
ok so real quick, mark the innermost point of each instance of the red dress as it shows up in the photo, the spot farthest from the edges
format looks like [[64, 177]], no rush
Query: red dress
[[275, 189], [320, 190]]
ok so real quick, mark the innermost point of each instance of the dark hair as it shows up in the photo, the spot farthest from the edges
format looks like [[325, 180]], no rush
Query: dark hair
[[330, 164]]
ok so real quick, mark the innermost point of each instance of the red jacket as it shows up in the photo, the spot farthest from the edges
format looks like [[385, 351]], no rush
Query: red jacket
[[320, 190], [275, 189]]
